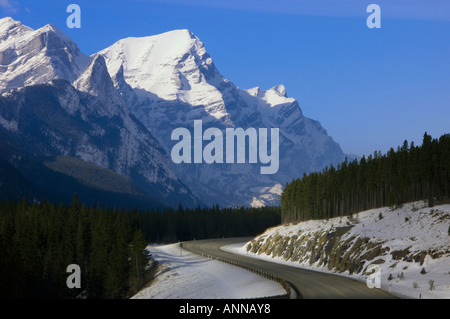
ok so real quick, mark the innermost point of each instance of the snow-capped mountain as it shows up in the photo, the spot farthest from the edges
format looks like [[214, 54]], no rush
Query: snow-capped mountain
[[170, 81], [47, 115], [30, 56], [166, 81]]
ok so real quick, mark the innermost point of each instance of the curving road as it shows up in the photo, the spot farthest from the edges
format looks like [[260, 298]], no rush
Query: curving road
[[307, 283]]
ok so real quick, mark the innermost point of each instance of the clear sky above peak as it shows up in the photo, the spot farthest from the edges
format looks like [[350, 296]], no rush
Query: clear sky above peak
[[370, 88]]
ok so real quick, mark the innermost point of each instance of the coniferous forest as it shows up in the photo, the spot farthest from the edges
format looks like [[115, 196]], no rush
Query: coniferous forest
[[38, 241], [408, 174]]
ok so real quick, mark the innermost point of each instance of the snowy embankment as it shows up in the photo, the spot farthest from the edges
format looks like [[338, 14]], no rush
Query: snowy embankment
[[184, 275], [410, 245]]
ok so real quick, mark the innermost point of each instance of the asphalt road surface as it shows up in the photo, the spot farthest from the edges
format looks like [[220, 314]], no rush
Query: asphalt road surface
[[307, 283]]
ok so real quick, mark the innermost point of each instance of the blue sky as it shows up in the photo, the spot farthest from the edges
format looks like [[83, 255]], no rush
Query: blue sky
[[370, 88]]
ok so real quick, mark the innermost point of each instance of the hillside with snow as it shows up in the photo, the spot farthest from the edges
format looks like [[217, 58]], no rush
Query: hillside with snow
[[410, 245]]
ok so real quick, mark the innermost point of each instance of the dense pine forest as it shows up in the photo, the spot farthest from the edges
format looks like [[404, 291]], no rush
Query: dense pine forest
[[170, 225], [39, 240], [408, 174]]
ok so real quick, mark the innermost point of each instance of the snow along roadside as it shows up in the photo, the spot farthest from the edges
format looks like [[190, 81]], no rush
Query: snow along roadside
[[184, 275], [415, 226]]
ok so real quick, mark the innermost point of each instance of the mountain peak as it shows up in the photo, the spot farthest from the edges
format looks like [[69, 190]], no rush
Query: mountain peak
[[280, 89], [166, 47], [180, 33], [96, 81], [29, 57], [171, 64], [95, 78], [51, 28], [7, 22], [11, 28]]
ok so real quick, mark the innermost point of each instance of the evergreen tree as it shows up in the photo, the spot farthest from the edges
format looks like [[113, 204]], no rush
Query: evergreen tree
[[138, 260]]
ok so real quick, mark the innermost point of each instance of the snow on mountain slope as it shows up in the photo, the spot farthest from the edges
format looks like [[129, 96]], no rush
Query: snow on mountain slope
[[95, 81], [55, 119], [267, 196], [174, 82], [299, 134], [30, 56], [43, 114], [167, 64], [409, 244], [168, 81]]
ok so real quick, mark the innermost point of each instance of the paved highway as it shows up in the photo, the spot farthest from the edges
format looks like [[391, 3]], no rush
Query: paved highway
[[307, 283]]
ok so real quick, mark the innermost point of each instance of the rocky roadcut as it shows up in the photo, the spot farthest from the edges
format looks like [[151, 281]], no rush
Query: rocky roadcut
[[409, 244]]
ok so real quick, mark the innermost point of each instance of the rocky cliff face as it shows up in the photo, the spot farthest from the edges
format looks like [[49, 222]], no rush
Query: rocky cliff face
[[55, 119]]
